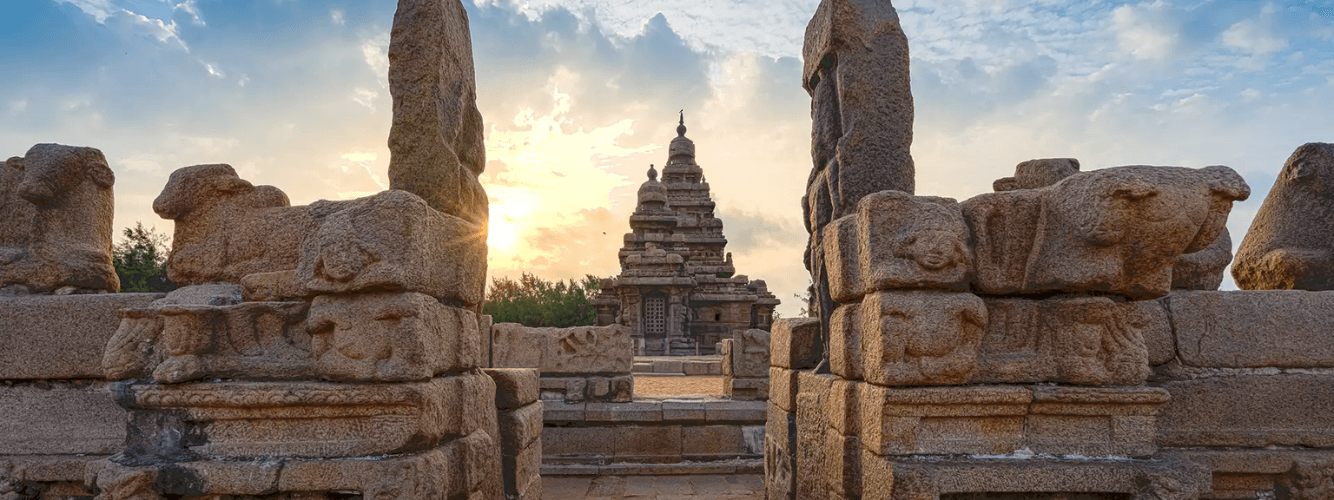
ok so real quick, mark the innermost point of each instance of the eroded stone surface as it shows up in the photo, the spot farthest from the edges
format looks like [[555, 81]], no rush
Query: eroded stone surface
[[1116, 230], [856, 71], [391, 337], [393, 241], [920, 338], [750, 354], [56, 232], [176, 343], [220, 420], [435, 142], [227, 228], [1075, 340], [60, 337], [1290, 244], [577, 350], [898, 241], [59, 418], [1254, 329], [1249, 411], [795, 343], [1033, 174]]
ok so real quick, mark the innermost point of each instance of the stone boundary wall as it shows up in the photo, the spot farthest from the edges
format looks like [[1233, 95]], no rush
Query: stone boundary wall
[[653, 436], [56, 412]]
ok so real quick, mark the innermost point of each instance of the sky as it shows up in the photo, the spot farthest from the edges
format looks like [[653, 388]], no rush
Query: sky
[[580, 96]]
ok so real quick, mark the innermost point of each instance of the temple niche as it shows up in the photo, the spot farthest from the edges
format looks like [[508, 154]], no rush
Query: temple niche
[[678, 290]]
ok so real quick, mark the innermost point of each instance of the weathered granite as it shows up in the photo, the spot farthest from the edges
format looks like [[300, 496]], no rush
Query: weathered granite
[[920, 338], [435, 142], [1116, 230], [56, 233], [515, 387], [856, 71], [555, 351], [176, 343], [750, 354], [795, 343], [1075, 339], [1033, 174], [60, 337], [393, 241], [462, 468], [391, 337], [1254, 329], [898, 241], [227, 228], [1249, 411], [59, 418], [242, 420], [1290, 244]]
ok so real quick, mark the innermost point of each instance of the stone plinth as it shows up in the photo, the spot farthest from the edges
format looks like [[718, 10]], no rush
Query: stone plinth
[[463, 468], [581, 350], [60, 337], [895, 478], [1000, 420], [59, 418], [238, 420]]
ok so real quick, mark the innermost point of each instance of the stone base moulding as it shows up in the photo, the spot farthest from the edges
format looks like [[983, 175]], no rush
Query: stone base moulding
[[464, 468], [891, 478], [1001, 420], [307, 419]]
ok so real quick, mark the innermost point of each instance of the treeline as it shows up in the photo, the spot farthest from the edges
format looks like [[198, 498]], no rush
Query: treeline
[[535, 302]]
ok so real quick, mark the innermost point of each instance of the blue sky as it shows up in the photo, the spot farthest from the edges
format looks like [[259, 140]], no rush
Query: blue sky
[[579, 96]]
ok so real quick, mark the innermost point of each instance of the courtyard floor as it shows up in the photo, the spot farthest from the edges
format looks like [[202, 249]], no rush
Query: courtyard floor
[[733, 487], [674, 385]]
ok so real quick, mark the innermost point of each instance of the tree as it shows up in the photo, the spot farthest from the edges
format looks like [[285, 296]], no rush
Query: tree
[[140, 259], [536, 302]]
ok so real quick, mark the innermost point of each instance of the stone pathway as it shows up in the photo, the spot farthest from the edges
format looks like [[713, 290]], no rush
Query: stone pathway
[[736, 487]]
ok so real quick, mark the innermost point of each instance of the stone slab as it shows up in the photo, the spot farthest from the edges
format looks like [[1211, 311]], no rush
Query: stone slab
[[795, 343], [783, 388], [1254, 329], [467, 466], [515, 387], [963, 477], [1075, 340], [556, 351], [391, 337], [227, 420], [60, 336], [1246, 474], [1249, 411], [715, 442], [780, 435], [520, 428], [60, 418], [392, 241], [999, 420]]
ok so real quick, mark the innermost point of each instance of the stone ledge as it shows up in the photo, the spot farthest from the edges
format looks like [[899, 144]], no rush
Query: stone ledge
[[684, 411], [62, 418], [742, 466], [60, 337]]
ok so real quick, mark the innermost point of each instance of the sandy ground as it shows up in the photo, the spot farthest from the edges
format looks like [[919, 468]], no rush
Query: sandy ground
[[659, 385]]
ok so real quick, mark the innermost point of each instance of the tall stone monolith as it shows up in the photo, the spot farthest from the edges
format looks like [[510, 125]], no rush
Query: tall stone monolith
[[856, 71], [435, 144]]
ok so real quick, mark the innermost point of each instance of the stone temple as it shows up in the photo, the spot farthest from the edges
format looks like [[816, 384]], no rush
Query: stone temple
[[678, 290]]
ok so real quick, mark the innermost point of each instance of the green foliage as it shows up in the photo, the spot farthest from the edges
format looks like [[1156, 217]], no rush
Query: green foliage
[[141, 260], [536, 302]]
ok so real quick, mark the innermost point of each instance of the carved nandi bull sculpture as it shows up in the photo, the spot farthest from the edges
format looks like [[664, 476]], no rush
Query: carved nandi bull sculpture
[[58, 206]]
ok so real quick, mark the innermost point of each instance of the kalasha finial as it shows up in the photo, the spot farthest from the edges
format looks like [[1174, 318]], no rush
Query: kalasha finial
[[681, 129], [652, 174]]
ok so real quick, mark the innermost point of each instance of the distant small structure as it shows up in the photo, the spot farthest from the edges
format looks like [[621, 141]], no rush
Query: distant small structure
[[678, 290]]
